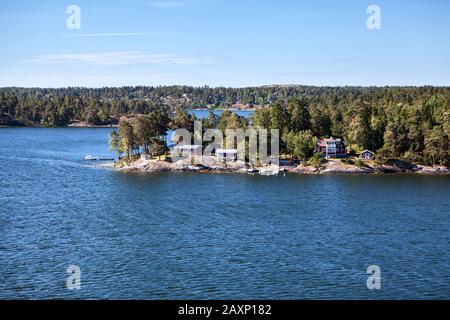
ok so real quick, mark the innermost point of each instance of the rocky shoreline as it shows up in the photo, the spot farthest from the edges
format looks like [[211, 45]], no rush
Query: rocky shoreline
[[153, 166], [337, 167], [329, 168]]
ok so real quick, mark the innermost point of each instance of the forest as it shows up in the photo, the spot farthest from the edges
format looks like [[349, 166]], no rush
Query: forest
[[411, 123]]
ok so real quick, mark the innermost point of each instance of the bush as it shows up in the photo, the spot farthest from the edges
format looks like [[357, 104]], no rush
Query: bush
[[359, 163], [383, 156], [414, 157]]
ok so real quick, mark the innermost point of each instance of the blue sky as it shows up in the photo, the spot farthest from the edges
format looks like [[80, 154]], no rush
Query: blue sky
[[224, 43]]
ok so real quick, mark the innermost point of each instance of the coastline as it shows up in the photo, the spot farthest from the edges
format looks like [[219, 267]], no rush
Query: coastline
[[332, 167], [84, 124], [59, 127]]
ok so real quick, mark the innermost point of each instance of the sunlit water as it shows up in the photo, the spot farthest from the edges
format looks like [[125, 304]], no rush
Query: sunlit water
[[189, 236]]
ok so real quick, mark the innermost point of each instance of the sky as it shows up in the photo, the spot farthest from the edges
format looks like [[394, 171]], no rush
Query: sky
[[233, 43]]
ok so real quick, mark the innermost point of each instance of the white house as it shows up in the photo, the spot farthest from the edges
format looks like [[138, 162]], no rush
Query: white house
[[187, 150]]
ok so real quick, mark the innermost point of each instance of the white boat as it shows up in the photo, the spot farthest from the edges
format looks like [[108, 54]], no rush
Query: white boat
[[269, 171], [90, 157]]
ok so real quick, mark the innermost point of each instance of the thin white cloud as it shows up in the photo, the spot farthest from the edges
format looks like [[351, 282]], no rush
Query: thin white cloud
[[179, 3], [117, 34], [168, 4], [119, 58]]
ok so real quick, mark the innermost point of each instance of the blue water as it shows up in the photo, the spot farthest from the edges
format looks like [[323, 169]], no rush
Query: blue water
[[203, 114], [194, 236]]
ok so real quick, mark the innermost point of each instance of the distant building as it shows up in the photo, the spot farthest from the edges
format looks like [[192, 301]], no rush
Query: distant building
[[225, 155], [332, 148], [367, 155], [187, 150]]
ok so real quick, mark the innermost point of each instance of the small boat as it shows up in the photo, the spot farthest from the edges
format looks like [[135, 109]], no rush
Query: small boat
[[90, 157], [269, 171], [252, 171]]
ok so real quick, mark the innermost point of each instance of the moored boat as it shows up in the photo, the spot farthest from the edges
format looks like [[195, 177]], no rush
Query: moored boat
[[90, 157]]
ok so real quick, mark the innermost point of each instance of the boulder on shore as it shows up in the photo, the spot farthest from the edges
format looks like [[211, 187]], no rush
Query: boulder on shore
[[147, 166], [432, 169], [329, 167], [332, 167], [184, 165]]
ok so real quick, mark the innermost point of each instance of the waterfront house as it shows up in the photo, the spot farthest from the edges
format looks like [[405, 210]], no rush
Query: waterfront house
[[187, 150], [332, 148], [225, 155], [367, 155]]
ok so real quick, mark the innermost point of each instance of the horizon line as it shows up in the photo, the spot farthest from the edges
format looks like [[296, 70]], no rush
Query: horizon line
[[230, 87]]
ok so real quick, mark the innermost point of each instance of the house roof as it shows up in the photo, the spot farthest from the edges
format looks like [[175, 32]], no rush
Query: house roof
[[226, 151], [323, 141], [187, 146], [368, 151]]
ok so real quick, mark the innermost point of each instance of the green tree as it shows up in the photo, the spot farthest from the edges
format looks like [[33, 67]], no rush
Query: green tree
[[127, 137], [114, 142], [144, 131], [299, 116], [261, 118], [182, 120], [278, 117], [102, 116], [359, 131], [230, 120], [301, 144], [321, 122], [211, 121], [158, 148], [315, 161], [437, 147]]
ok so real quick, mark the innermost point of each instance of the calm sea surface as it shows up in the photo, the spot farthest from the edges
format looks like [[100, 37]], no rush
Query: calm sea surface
[[194, 236]]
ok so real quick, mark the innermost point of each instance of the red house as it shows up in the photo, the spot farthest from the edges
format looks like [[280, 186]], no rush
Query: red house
[[332, 148]]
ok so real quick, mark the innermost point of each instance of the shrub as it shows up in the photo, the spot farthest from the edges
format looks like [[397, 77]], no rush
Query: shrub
[[359, 163], [382, 156]]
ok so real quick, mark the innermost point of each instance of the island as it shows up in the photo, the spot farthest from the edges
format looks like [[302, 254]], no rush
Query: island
[[321, 129], [143, 144], [326, 167]]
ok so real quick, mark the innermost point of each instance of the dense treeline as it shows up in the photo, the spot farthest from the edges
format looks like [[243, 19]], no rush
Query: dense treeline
[[34, 106], [418, 131], [403, 122]]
